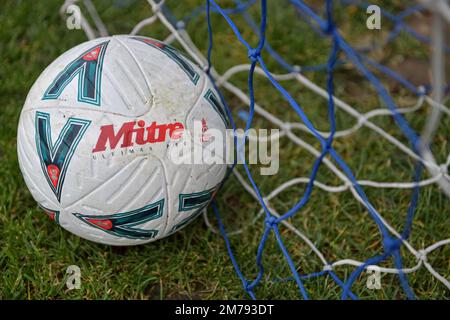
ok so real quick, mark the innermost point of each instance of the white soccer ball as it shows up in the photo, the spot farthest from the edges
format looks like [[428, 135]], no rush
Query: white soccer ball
[[95, 133]]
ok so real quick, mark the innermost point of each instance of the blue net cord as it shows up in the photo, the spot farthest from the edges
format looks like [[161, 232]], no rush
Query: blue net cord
[[391, 245], [399, 26]]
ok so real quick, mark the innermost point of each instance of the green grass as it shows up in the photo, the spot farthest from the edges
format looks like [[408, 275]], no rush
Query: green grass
[[193, 263]]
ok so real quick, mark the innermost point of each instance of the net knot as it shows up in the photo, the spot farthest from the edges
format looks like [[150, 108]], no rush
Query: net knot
[[296, 69], [328, 28], [156, 7], [327, 267], [422, 255], [391, 244], [254, 54], [248, 286], [327, 147], [180, 25], [271, 221], [422, 90]]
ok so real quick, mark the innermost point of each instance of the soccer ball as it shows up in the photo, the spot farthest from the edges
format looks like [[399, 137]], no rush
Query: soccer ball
[[95, 133]]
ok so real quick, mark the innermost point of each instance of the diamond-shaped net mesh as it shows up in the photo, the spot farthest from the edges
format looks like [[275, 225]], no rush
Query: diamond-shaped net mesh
[[323, 95]]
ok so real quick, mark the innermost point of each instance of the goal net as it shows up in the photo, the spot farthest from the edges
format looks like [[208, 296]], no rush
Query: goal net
[[363, 123]]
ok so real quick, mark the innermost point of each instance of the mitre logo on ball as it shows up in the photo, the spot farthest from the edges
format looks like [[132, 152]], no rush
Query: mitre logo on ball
[[111, 94], [136, 133]]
